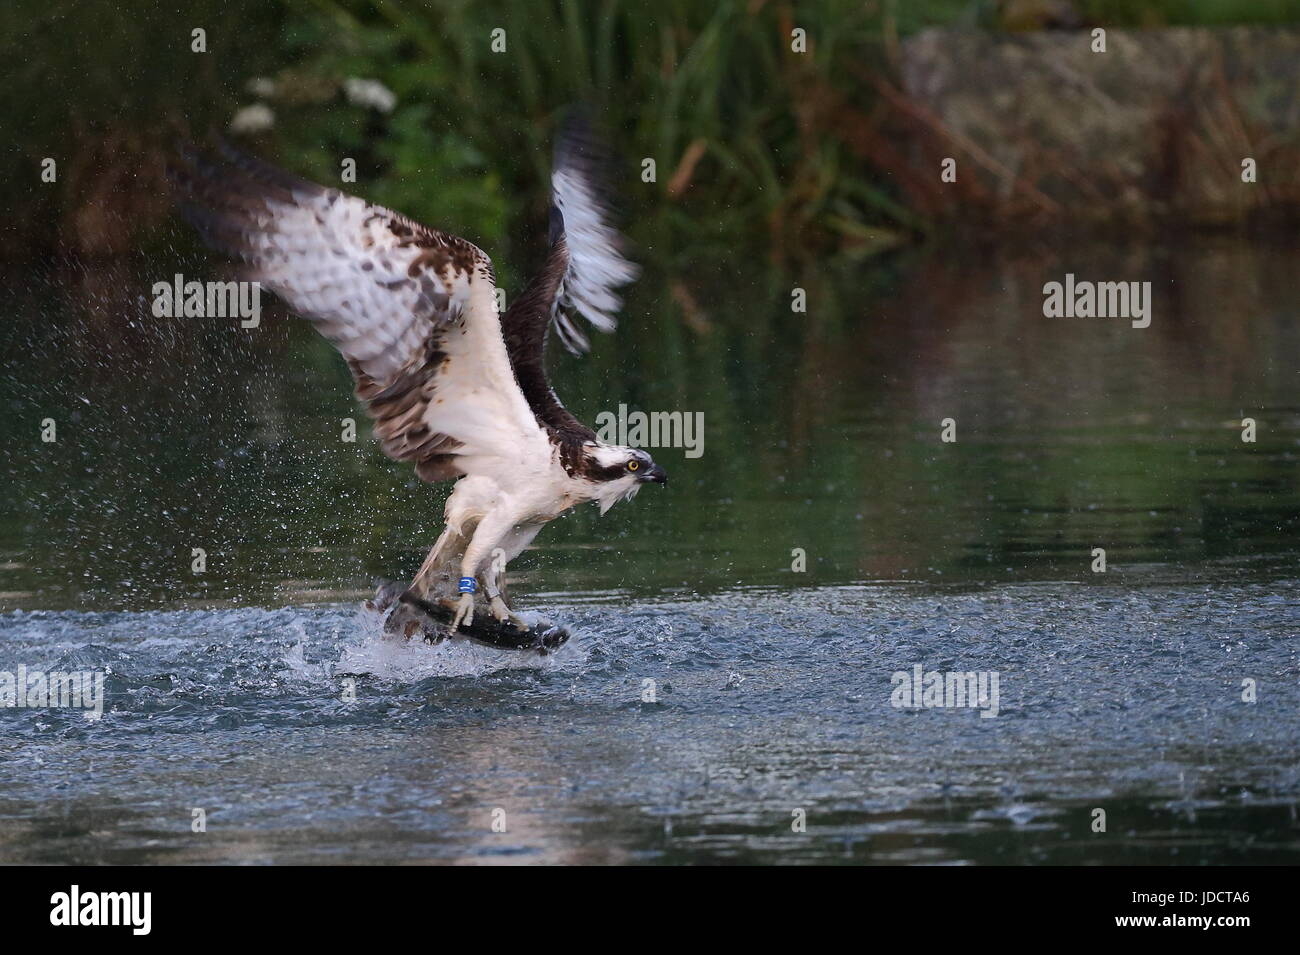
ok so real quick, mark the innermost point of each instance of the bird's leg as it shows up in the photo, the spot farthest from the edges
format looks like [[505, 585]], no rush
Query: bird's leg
[[492, 587], [491, 529]]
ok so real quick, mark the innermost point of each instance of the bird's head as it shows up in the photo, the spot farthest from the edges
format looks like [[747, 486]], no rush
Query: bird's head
[[617, 473]]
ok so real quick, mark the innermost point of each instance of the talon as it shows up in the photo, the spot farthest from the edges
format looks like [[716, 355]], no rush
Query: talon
[[503, 614], [464, 611]]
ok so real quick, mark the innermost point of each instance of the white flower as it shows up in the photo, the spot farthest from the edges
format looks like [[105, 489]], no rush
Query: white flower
[[252, 119], [369, 93]]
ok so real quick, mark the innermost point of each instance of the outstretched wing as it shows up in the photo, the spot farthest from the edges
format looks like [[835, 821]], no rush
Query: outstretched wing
[[581, 277], [413, 310], [594, 267]]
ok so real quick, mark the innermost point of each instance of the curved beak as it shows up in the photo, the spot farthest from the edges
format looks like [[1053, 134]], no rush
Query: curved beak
[[656, 474]]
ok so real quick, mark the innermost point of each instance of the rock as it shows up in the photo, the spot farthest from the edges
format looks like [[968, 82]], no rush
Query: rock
[[1155, 127]]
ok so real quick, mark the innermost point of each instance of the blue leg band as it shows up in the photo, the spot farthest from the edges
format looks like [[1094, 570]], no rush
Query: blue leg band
[[468, 585]]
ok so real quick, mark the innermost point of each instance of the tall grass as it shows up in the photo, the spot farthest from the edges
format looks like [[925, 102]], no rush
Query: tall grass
[[740, 127]]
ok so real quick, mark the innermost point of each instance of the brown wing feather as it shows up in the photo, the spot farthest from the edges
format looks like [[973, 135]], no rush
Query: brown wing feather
[[384, 289]]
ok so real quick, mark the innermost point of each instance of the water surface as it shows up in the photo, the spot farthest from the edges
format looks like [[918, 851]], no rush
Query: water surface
[[1119, 690]]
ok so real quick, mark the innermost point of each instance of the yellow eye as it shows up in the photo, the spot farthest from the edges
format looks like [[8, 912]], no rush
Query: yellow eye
[[633, 465]]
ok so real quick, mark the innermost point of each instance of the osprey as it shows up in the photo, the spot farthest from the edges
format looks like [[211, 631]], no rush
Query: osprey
[[453, 387]]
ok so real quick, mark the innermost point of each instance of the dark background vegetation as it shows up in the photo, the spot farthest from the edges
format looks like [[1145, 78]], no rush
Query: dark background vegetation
[[755, 145]]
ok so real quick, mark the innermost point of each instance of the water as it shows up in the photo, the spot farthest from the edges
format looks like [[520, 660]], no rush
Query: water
[[772, 689]]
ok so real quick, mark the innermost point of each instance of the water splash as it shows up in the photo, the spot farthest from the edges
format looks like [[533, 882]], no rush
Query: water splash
[[372, 651]]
